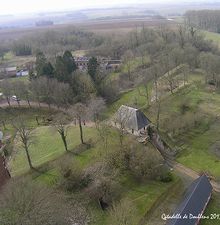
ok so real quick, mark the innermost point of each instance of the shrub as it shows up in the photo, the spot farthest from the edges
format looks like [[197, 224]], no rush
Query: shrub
[[166, 177], [122, 213], [71, 174]]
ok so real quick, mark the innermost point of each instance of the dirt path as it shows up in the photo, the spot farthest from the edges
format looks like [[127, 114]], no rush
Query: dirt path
[[193, 174], [4, 104]]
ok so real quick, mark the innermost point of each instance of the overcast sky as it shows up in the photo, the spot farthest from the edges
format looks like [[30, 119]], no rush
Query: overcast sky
[[25, 6]]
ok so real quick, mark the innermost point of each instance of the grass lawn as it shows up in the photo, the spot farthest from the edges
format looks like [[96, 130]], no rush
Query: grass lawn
[[10, 114], [213, 208], [47, 145], [11, 60], [197, 142], [134, 64], [198, 155], [215, 37], [131, 98]]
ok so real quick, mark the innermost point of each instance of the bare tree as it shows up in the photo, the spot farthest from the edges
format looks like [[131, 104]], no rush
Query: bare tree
[[182, 36], [104, 187], [6, 87], [104, 132], [26, 202], [79, 111], [167, 65], [25, 136], [127, 59], [95, 107], [145, 93], [155, 70], [158, 113], [62, 128], [35, 87], [185, 70]]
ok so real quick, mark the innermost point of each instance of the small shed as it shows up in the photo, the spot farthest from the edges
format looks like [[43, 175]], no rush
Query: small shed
[[194, 203], [131, 119]]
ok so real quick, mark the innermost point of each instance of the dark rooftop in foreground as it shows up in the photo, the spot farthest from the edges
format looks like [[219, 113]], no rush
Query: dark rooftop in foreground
[[194, 203]]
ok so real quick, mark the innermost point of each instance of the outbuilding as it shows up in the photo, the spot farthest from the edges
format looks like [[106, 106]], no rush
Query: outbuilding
[[131, 119], [191, 209]]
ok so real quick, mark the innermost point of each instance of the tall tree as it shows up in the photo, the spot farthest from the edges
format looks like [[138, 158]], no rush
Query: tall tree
[[25, 136], [127, 59], [40, 63], [61, 70], [7, 89], [62, 129], [43, 67], [79, 111], [93, 68], [69, 62]]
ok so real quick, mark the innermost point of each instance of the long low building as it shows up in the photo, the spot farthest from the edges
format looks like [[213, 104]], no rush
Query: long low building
[[194, 204]]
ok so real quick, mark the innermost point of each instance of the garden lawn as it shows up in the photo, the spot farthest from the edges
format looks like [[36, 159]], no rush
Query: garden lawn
[[215, 37], [213, 208], [198, 154], [47, 145], [131, 98], [27, 114], [196, 143]]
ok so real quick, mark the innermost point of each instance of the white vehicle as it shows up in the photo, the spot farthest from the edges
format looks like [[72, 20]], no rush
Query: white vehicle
[[15, 98]]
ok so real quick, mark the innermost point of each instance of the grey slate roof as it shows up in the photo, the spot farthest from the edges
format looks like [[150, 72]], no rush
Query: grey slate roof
[[131, 118], [194, 202]]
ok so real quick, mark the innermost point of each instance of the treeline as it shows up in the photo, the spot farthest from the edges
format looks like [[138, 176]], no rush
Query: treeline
[[51, 41], [204, 19], [22, 49]]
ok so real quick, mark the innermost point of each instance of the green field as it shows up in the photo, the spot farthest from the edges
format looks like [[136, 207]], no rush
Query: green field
[[215, 37], [134, 98], [47, 145], [213, 208], [12, 60], [195, 143], [9, 115]]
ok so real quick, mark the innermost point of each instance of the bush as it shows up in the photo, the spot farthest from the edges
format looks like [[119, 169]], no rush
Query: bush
[[211, 82], [166, 177], [123, 212], [71, 174], [103, 185]]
